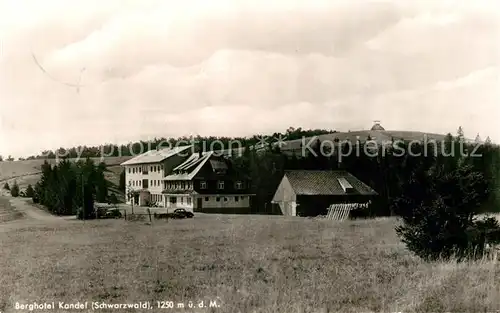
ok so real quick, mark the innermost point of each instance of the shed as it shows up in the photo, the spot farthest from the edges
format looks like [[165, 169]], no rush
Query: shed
[[310, 193]]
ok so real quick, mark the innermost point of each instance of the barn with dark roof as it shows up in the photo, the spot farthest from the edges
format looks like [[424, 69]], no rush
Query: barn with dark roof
[[310, 193]]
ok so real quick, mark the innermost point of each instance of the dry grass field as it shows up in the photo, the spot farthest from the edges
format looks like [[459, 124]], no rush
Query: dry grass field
[[249, 263]]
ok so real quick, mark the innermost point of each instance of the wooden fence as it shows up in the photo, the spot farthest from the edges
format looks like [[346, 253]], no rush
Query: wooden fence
[[341, 211]]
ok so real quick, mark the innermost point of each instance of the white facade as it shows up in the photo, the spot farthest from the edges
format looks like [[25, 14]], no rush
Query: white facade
[[145, 176], [190, 202], [225, 201]]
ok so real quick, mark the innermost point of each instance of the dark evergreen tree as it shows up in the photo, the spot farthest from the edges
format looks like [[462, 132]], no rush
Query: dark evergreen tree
[[14, 190], [121, 183], [439, 203], [30, 192]]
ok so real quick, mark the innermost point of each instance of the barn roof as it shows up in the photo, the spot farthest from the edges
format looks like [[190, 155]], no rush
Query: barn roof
[[306, 182]]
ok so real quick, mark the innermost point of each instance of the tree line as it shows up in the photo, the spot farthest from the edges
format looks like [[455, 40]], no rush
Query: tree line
[[133, 148], [71, 188]]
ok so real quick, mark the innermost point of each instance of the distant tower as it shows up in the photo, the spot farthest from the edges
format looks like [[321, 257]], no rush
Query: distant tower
[[377, 126]]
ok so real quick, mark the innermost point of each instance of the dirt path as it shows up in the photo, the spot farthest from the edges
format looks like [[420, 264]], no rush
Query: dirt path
[[26, 215], [31, 212]]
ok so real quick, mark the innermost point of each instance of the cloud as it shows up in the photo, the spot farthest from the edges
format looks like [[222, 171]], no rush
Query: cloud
[[165, 68]]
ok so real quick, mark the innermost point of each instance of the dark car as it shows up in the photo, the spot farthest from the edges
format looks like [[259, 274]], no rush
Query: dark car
[[182, 213], [177, 214]]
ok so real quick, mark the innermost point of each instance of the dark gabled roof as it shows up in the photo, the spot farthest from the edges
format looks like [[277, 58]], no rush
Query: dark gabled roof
[[325, 183]]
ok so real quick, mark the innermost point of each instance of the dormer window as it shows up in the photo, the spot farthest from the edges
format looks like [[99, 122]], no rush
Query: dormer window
[[203, 184], [220, 184]]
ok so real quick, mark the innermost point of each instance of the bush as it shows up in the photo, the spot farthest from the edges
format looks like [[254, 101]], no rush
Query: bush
[[14, 191], [30, 192], [6, 186]]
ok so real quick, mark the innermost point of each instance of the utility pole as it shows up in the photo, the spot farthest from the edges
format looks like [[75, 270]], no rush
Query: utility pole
[[83, 195]]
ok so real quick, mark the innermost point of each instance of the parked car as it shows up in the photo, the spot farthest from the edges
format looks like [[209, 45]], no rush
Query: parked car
[[182, 213], [177, 214], [112, 212]]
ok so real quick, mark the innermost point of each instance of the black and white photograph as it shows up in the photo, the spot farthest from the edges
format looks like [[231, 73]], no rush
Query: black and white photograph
[[237, 156]]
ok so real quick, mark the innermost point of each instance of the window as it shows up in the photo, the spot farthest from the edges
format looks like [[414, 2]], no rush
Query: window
[[182, 200], [140, 169], [173, 199], [220, 184], [236, 198], [207, 198], [151, 168], [203, 184], [239, 185], [225, 199], [217, 199], [133, 170], [188, 200], [183, 185], [129, 170]]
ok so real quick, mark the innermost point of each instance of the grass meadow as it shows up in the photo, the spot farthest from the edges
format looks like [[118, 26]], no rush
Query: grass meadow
[[248, 263]]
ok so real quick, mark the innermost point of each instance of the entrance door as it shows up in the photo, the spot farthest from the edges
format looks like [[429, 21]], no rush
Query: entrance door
[[199, 203]]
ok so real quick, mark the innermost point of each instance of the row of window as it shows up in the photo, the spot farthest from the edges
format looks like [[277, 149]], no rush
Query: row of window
[[173, 200], [145, 168], [218, 199], [154, 182], [156, 198], [203, 185], [136, 183], [181, 185]]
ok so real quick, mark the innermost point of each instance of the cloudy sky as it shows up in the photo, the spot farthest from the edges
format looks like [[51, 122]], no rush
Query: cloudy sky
[[172, 68]]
